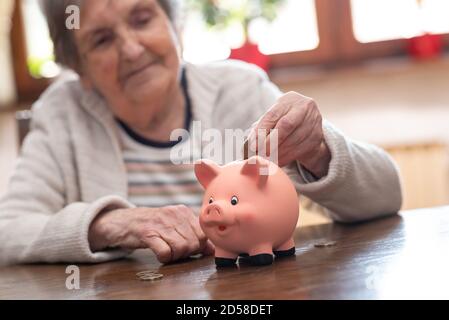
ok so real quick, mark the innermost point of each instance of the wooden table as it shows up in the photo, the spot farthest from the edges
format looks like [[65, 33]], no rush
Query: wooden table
[[404, 256]]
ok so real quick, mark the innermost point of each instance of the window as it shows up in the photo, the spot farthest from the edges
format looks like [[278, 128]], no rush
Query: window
[[305, 32], [382, 20], [28, 87], [39, 47], [294, 29]]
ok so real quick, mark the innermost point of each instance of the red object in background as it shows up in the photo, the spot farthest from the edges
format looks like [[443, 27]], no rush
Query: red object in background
[[425, 46], [250, 52]]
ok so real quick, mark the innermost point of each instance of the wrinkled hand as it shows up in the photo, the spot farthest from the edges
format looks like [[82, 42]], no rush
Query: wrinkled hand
[[172, 233], [300, 133]]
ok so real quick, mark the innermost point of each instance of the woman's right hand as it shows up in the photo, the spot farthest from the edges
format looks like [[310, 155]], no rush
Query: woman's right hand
[[171, 232]]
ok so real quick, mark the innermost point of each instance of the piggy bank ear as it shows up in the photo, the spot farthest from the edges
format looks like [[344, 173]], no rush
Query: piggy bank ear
[[253, 167], [206, 171]]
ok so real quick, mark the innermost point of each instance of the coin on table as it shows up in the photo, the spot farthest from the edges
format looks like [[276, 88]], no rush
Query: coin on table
[[146, 272], [325, 244], [149, 275], [152, 277]]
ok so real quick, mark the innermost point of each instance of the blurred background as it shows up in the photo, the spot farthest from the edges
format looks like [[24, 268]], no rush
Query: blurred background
[[379, 70]]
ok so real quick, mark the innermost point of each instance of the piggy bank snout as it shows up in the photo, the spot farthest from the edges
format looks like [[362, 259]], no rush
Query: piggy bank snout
[[213, 214], [213, 210]]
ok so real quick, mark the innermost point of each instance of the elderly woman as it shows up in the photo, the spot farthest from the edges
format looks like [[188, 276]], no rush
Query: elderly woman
[[95, 180]]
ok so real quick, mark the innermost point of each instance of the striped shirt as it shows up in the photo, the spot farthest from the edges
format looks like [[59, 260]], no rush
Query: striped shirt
[[154, 180]]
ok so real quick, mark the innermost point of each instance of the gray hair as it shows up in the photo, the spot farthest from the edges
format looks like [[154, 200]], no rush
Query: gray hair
[[66, 51]]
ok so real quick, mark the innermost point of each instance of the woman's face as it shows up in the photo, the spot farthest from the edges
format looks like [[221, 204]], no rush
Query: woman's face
[[129, 53]]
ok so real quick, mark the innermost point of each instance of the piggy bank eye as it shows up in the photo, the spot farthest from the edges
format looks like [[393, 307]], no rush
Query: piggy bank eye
[[211, 200], [234, 200]]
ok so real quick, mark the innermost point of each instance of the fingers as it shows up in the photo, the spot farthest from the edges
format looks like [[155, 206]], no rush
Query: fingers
[[192, 232], [209, 249], [264, 125], [184, 236], [206, 247], [285, 130], [271, 117], [287, 103], [174, 233], [292, 111], [305, 134], [181, 247], [301, 145], [171, 246], [160, 248], [202, 239]]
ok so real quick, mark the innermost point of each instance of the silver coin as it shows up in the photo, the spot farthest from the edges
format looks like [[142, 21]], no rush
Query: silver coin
[[146, 272], [152, 277], [325, 244], [148, 275]]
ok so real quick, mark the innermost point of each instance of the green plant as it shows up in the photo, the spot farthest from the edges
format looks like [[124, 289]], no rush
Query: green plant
[[222, 13]]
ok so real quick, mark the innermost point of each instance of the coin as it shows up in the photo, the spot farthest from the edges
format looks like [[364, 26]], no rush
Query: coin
[[149, 275], [325, 244], [143, 273], [246, 150], [152, 277]]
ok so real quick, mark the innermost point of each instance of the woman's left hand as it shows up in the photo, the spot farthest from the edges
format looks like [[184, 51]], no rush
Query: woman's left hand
[[300, 133]]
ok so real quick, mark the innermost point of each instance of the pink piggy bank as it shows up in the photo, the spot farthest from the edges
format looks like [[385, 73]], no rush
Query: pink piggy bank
[[245, 213]]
